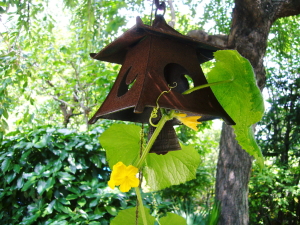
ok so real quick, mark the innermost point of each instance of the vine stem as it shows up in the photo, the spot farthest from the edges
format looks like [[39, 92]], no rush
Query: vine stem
[[141, 205], [156, 132], [141, 160], [205, 86]]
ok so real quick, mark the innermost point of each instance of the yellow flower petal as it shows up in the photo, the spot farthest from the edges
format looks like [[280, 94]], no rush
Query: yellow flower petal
[[190, 121], [134, 182], [111, 184], [132, 170], [180, 115], [125, 176]]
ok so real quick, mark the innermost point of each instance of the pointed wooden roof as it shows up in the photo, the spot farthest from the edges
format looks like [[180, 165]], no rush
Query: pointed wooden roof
[[116, 51]]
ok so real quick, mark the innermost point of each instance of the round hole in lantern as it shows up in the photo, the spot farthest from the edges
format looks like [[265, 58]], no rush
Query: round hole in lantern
[[175, 75]]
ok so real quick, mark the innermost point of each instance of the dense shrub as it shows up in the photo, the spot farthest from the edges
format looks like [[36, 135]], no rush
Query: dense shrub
[[56, 176]]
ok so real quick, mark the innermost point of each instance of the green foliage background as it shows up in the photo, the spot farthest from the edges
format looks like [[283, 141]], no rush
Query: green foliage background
[[56, 176], [275, 193], [48, 82]]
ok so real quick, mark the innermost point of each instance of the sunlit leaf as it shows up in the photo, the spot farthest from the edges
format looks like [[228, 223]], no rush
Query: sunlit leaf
[[173, 219], [71, 196], [10, 176], [5, 164], [129, 215], [112, 210], [28, 184], [121, 143], [81, 202], [41, 186], [241, 98], [173, 168]]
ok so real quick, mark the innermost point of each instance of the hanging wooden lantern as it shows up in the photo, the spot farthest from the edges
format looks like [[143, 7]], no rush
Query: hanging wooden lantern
[[153, 58]]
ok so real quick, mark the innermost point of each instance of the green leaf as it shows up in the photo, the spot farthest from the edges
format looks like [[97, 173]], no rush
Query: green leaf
[[241, 98], [41, 186], [94, 223], [71, 196], [56, 166], [25, 154], [61, 208], [129, 215], [10, 176], [66, 176], [3, 4], [64, 201], [99, 211], [20, 183], [5, 164], [111, 210], [17, 168], [96, 159], [83, 213], [5, 114], [81, 202], [30, 219], [2, 10], [49, 208], [121, 142], [42, 143], [174, 168], [29, 183], [94, 202], [74, 190], [89, 147], [173, 219], [64, 131], [50, 183]]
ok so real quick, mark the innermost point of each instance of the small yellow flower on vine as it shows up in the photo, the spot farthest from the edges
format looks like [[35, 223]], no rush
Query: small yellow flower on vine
[[125, 176], [190, 121]]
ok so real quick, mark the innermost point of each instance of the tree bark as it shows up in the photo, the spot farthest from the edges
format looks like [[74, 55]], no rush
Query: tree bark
[[231, 190], [250, 28]]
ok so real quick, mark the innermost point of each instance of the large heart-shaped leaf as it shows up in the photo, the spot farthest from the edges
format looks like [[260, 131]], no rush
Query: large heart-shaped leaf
[[122, 143], [173, 219], [160, 171], [176, 167], [241, 98], [128, 216]]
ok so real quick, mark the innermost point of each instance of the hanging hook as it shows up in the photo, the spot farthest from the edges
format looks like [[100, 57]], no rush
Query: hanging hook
[[160, 6]]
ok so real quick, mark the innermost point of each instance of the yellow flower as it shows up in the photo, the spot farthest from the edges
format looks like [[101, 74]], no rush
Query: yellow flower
[[125, 176], [190, 121]]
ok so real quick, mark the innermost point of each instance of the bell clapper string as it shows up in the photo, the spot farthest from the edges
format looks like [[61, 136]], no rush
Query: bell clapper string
[[205, 86]]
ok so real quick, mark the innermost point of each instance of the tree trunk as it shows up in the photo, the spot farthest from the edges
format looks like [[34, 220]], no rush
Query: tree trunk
[[231, 180], [250, 27]]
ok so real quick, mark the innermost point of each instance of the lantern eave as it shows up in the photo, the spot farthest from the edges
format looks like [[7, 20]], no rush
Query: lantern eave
[[116, 51]]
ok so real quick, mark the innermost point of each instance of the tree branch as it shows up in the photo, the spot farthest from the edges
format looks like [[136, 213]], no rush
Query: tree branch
[[62, 101], [286, 8], [173, 18], [218, 39]]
